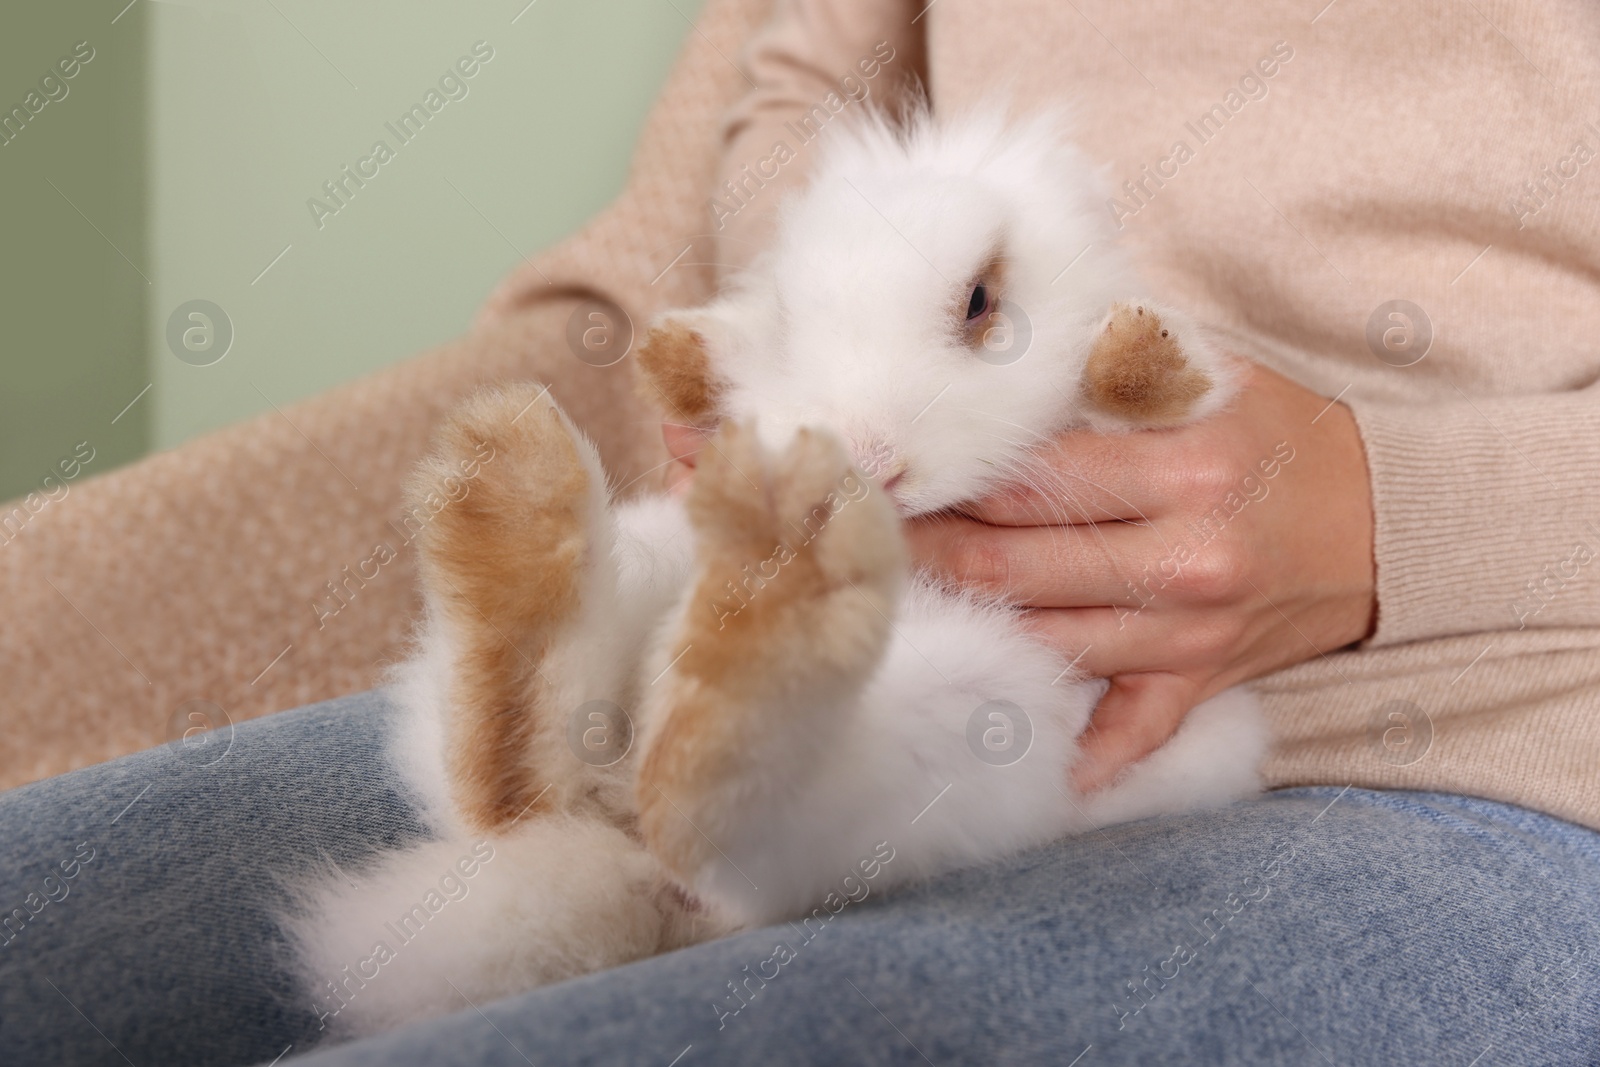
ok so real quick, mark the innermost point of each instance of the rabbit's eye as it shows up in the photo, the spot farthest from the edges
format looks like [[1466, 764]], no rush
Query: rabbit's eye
[[983, 302], [978, 303]]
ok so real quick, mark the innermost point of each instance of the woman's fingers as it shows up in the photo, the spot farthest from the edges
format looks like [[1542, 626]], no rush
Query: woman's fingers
[[1105, 642], [1102, 642], [1086, 476], [1137, 715], [1040, 566], [1056, 495]]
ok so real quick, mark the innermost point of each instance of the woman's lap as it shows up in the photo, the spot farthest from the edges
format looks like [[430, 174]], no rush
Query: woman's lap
[[1312, 927], [165, 941]]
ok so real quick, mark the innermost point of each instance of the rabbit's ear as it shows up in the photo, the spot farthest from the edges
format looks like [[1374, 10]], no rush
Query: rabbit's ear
[[675, 364], [1146, 368]]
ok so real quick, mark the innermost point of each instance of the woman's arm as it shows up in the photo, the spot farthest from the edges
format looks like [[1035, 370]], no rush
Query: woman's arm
[[1284, 529], [1488, 513]]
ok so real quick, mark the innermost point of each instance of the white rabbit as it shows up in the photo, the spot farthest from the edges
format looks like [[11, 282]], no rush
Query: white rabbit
[[639, 725]]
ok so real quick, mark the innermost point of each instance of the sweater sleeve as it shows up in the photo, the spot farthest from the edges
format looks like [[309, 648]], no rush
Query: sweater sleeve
[[813, 63], [1487, 514]]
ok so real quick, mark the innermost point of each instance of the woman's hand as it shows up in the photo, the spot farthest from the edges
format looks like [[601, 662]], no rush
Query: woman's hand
[[1180, 562], [1174, 562]]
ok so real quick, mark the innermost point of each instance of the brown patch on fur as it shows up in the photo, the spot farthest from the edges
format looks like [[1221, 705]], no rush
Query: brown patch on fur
[[678, 375], [832, 548], [992, 276], [501, 558], [1138, 372]]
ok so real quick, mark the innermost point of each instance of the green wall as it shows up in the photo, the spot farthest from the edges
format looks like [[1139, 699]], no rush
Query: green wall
[[195, 139], [74, 262]]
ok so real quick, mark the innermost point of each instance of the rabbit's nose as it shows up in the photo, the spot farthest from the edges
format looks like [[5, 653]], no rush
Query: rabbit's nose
[[875, 457], [880, 461]]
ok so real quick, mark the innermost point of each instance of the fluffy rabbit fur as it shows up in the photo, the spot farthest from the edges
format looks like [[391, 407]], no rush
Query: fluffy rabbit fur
[[807, 713]]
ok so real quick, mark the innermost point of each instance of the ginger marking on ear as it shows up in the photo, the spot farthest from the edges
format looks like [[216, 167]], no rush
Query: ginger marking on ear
[[677, 373]]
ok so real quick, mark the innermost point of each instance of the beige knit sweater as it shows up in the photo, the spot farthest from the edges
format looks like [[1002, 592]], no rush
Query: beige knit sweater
[[1288, 175]]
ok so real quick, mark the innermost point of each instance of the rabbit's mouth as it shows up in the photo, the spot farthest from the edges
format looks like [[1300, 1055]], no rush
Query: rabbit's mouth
[[902, 494]]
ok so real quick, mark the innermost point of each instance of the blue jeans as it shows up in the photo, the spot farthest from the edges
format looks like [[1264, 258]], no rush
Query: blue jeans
[[1315, 926]]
